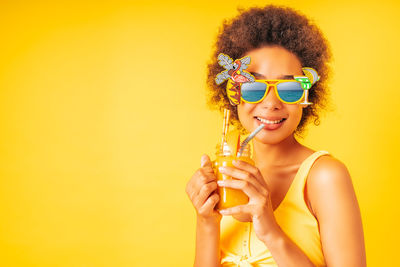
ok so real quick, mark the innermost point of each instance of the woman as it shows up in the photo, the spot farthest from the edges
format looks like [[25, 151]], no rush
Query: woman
[[302, 208]]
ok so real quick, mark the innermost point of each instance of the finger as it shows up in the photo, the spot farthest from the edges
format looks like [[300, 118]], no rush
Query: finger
[[235, 210], [245, 186], [242, 175], [199, 178], [207, 164], [208, 170], [204, 177], [249, 168], [204, 193], [190, 191], [210, 203], [205, 161]]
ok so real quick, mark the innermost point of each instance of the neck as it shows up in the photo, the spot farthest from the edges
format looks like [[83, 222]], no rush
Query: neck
[[275, 154]]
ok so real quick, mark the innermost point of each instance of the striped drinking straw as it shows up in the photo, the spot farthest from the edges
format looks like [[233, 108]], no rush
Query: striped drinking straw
[[225, 127]]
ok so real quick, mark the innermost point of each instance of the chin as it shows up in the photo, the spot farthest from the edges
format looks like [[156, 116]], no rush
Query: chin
[[271, 139]]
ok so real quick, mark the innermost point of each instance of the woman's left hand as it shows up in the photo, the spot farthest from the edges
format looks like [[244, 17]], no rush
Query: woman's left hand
[[249, 179]]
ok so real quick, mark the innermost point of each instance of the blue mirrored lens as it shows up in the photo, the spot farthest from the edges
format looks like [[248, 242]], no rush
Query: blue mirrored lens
[[290, 91], [253, 91]]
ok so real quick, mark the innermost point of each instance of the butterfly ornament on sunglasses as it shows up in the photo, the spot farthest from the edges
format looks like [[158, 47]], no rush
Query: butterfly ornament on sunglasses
[[241, 85]]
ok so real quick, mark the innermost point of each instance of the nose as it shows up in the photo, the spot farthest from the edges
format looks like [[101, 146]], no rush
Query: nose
[[271, 100]]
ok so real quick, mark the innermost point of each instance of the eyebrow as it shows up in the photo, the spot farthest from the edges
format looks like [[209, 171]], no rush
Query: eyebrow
[[282, 77]]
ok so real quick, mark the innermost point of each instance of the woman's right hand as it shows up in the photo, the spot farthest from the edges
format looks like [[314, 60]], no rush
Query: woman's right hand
[[201, 190]]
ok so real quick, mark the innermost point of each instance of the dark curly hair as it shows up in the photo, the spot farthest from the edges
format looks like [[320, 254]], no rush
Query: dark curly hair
[[267, 26]]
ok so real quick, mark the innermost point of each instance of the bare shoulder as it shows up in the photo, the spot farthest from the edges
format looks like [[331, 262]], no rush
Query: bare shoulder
[[328, 181], [334, 203], [327, 169]]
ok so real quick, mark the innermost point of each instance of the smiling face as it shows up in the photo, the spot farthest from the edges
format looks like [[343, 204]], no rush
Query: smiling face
[[281, 120]]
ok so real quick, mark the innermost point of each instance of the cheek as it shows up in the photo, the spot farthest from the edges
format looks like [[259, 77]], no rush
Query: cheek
[[245, 113], [297, 113]]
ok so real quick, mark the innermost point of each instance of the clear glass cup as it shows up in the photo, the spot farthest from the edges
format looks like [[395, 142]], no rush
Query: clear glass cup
[[230, 197]]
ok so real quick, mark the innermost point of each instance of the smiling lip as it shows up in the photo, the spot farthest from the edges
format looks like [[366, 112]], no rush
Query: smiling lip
[[271, 123]]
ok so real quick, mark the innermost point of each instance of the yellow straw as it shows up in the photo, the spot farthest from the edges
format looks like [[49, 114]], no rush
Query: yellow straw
[[225, 127]]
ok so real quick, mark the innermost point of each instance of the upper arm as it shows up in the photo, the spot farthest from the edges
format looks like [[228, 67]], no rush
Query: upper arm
[[334, 202]]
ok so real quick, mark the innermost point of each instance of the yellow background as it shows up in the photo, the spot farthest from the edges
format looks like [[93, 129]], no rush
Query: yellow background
[[103, 121]]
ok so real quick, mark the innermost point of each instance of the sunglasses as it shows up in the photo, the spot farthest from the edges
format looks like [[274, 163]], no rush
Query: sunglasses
[[288, 91]]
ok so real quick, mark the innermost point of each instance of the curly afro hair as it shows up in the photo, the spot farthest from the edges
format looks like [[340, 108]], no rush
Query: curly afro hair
[[268, 26]]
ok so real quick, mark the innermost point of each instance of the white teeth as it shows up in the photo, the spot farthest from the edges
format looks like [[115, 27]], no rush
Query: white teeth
[[268, 121]]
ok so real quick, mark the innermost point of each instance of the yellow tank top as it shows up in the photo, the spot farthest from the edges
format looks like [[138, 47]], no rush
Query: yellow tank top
[[240, 245]]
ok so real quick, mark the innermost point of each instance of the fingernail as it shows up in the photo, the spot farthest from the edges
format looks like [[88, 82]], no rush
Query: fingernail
[[220, 183], [221, 169], [223, 212]]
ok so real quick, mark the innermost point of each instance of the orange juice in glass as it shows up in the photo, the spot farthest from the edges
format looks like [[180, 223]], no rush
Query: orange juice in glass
[[230, 197]]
